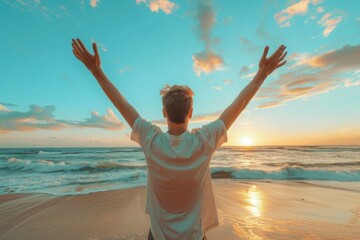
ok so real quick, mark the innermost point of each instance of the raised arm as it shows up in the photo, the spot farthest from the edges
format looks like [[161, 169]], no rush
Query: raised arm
[[92, 62], [266, 67]]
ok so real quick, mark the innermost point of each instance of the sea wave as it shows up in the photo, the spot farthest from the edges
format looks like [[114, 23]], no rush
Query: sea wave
[[286, 173], [313, 165], [69, 151], [43, 165]]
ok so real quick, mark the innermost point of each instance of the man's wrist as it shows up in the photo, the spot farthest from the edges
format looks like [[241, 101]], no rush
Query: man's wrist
[[96, 70], [260, 76], [262, 73]]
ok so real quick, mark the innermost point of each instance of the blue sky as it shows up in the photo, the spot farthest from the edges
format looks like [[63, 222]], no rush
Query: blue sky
[[48, 98]]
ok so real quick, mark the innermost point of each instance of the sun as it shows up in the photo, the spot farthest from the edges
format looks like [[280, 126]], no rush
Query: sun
[[246, 141]]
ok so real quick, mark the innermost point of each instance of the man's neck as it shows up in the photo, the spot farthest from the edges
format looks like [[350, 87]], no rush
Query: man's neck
[[177, 129]]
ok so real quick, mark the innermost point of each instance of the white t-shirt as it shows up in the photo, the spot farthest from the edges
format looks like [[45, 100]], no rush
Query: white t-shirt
[[180, 198]]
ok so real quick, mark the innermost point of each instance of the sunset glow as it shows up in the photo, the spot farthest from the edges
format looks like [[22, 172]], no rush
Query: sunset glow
[[246, 141]]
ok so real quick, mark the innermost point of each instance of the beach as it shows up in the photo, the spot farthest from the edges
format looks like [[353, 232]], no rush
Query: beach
[[246, 209]]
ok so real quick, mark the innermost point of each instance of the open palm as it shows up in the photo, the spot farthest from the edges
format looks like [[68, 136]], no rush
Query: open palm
[[90, 61], [268, 65]]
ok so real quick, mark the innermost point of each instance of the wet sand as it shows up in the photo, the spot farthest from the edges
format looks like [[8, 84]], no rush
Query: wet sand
[[247, 210]]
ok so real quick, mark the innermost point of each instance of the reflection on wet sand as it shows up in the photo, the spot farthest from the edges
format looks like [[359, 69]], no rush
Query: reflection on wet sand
[[254, 199], [283, 210]]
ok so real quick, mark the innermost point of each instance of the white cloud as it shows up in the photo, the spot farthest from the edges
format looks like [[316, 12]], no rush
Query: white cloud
[[248, 45], [249, 75], [99, 45], [330, 23], [94, 3], [284, 16], [47, 9], [315, 75], [159, 5], [206, 62], [301, 8], [227, 81], [125, 68], [217, 88], [320, 9], [42, 118], [3, 108]]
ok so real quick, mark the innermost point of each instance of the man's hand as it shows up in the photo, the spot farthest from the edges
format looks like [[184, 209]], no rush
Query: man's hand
[[268, 65], [92, 62]]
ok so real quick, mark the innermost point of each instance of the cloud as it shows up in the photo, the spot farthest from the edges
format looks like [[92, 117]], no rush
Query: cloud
[[270, 104], [206, 62], [126, 68], [248, 45], [249, 75], [206, 18], [198, 118], [245, 72], [315, 75], [330, 23], [99, 44], [261, 33], [156, 5], [349, 83], [94, 3], [345, 58], [227, 20], [283, 17], [46, 9], [320, 9], [299, 8], [8, 104], [3, 108], [244, 69], [217, 88], [227, 81], [42, 118]]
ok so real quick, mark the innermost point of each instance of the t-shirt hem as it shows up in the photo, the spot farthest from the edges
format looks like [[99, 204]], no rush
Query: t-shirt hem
[[209, 227]]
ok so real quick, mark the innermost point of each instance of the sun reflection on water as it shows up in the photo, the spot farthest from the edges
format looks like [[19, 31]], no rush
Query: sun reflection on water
[[254, 199]]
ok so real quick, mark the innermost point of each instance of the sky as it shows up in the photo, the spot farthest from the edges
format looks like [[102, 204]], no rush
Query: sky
[[49, 99]]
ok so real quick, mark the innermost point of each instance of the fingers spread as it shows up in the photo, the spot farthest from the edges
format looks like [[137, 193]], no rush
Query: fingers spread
[[266, 50], [278, 52], [95, 49], [281, 64], [77, 55], [76, 46], [76, 50], [282, 56], [82, 45]]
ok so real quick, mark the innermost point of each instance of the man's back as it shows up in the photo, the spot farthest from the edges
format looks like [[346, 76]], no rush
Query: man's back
[[180, 198]]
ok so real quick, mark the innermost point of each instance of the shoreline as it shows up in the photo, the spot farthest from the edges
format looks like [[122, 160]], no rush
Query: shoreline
[[218, 177], [247, 210]]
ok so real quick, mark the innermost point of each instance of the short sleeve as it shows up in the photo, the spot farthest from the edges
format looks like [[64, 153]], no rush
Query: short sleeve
[[215, 133], [143, 130]]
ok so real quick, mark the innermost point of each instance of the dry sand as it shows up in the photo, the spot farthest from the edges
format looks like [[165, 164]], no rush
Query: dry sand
[[247, 210]]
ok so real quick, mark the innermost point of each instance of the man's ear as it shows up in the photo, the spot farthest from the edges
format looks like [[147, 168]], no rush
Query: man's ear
[[164, 113], [190, 113]]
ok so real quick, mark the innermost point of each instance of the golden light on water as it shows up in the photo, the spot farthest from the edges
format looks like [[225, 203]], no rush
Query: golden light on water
[[254, 199], [246, 141]]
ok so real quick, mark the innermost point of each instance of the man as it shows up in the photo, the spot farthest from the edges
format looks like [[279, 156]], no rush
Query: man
[[180, 199]]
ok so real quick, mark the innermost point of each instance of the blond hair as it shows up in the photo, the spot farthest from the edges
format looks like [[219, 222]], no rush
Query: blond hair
[[177, 101]]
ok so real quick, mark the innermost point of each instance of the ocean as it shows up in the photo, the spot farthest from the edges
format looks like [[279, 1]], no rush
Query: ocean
[[74, 171]]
